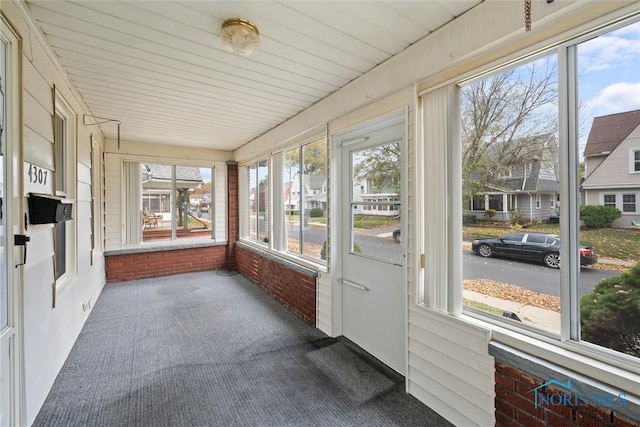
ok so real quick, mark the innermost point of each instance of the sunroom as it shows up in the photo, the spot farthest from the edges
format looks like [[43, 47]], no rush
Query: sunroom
[[288, 141]]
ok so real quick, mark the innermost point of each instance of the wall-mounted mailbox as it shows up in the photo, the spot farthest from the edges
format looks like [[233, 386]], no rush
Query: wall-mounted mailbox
[[45, 209]]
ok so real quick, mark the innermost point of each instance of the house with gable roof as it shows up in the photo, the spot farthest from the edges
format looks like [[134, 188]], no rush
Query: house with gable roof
[[522, 181], [612, 165]]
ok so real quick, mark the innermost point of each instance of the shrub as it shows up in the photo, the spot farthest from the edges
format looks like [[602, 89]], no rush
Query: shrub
[[490, 213], [599, 216], [610, 315], [316, 212]]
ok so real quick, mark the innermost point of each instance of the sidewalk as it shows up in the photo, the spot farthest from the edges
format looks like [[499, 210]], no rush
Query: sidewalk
[[539, 317], [612, 261]]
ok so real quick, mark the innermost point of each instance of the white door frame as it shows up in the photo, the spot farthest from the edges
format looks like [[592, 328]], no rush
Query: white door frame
[[13, 186], [336, 149]]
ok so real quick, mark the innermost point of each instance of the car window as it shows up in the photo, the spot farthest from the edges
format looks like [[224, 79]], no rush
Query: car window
[[552, 240], [516, 237], [536, 238]]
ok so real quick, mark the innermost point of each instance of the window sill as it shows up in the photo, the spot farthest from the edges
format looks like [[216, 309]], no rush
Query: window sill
[[164, 246], [569, 356], [291, 259], [547, 369]]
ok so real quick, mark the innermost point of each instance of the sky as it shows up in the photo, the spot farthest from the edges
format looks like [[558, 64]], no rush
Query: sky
[[609, 74]]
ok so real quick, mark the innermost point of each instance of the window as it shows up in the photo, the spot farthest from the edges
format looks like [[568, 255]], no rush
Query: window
[[518, 135], [629, 203], [258, 203], [634, 161], [64, 139], [592, 81], [609, 200], [167, 202], [305, 199], [536, 238]]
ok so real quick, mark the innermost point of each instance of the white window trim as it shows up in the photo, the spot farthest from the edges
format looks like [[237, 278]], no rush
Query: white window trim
[[63, 109], [612, 368], [622, 203], [538, 201], [243, 195], [632, 162], [279, 241], [602, 196], [218, 234]]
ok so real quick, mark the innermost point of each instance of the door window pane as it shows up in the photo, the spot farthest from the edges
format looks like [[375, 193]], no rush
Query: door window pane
[[375, 203]]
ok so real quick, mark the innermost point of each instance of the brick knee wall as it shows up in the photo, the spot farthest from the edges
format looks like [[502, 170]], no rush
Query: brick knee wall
[[142, 265], [515, 404], [293, 288]]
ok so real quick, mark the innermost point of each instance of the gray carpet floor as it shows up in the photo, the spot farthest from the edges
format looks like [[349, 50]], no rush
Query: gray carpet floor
[[212, 349]]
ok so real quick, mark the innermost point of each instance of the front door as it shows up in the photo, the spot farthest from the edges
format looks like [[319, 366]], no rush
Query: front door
[[373, 286]]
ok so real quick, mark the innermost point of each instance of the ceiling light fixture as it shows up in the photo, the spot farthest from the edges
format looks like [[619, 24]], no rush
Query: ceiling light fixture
[[240, 36]]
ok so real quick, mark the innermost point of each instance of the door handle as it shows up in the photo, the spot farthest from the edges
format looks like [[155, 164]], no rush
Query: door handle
[[353, 284], [21, 240]]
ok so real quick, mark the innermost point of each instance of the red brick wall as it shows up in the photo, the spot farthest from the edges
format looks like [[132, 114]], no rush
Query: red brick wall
[[121, 267], [293, 289], [232, 214], [515, 405]]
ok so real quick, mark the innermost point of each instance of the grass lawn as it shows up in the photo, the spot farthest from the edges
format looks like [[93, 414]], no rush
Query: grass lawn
[[609, 242], [374, 221]]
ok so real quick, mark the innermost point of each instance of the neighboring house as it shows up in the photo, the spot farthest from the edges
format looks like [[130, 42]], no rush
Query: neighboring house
[[527, 187], [313, 192], [612, 165], [368, 191], [156, 185]]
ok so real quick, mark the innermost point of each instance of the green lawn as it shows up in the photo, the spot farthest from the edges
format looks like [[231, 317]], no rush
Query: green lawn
[[609, 242], [374, 221]]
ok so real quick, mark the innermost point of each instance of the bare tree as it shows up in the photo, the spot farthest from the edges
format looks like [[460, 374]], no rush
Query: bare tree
[[380, 166], [502, 118]]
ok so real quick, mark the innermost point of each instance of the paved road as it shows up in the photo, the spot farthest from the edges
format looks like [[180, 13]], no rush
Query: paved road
[[529, 275], [532, 276]]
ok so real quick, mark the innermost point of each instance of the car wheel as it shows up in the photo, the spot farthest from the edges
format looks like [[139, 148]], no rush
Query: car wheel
[[485, 250], [552, 260], [396, 237]]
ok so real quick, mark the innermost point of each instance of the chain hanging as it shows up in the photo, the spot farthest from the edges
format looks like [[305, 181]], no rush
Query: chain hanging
[[527, 15]]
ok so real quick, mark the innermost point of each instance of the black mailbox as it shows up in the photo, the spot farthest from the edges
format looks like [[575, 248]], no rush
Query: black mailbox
[[45, 209]]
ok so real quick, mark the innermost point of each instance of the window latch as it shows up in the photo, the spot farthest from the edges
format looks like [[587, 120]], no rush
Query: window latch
[[21, 240]]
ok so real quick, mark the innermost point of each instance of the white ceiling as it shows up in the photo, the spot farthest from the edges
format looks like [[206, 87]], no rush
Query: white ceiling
[[160, 68]]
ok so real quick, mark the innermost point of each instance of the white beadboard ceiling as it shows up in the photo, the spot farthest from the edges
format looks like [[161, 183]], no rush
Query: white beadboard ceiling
[[160, 68]]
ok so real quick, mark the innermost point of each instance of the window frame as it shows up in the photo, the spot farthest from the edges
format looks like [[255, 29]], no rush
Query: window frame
[[67, 189], [129, 212], [634, 164], [635, 203], [245, 228], [566, 349], [277, 243], [615, 200], [280, 235]]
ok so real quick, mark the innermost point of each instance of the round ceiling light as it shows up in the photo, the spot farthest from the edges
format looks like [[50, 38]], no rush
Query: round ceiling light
[[240, 36]]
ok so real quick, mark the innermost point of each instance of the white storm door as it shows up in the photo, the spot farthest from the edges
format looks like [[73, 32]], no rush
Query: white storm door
[[373, 286]]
